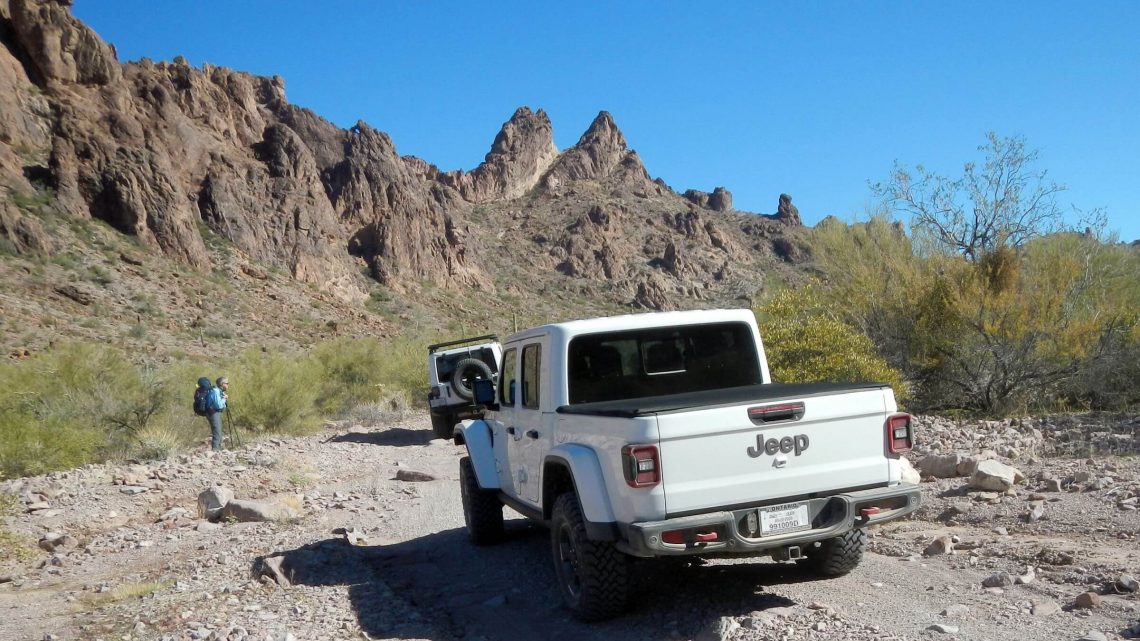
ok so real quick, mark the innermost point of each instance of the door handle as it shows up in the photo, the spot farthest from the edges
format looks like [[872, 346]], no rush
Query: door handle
[[511, 430], [532, 434]]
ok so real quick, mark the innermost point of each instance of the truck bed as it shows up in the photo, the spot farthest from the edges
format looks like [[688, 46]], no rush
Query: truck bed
[[630, 408]]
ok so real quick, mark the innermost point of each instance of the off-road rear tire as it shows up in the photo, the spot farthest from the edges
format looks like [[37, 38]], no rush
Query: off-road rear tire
[[443, 425], [593, 576], [482, 509], [837, 556], [466, 370]]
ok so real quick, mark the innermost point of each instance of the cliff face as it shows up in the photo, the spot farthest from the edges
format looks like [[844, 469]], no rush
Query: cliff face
[[155, 150], [167, 153]]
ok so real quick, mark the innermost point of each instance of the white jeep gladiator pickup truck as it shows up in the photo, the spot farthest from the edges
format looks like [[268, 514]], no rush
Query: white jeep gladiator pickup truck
[[662, 435]]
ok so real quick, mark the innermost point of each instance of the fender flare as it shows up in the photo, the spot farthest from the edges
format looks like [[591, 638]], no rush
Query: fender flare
[[476, 436], [586, 472]]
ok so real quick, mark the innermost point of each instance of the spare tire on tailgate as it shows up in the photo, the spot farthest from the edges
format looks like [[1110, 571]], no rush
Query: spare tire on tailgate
[[467, 371]]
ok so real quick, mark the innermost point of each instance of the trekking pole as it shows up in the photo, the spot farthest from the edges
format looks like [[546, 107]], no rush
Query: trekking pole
[[235, 438]]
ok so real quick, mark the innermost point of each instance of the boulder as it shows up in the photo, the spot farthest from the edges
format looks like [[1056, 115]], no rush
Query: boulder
[[942, 466], [968, 464], [272, 568], [1045, 608], [212, 501], [1126, 583], [909, 474], [1087, 600], [993, 476], [251, 511], [53, 541], [940, 545], [998, 580]]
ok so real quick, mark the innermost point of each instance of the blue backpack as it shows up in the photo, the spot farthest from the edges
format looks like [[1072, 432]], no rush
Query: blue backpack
[[202, 398]]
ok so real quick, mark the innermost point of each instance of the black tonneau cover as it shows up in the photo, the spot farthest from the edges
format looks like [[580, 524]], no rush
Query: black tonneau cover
[[629, 408]]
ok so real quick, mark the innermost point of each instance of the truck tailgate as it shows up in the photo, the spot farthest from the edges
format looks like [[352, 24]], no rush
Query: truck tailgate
[[720, 457]]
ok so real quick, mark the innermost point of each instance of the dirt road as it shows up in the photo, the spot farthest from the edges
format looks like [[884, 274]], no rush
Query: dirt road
[[140, 568]]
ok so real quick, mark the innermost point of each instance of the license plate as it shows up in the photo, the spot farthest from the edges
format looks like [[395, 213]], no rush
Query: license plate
[[789, 517]]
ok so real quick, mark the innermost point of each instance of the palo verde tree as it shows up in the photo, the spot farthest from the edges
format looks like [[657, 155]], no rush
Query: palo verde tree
[[1006, 308], [1004, 203]]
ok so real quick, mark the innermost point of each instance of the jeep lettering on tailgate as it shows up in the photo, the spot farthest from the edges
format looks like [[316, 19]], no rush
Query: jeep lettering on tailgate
[[787, 445]]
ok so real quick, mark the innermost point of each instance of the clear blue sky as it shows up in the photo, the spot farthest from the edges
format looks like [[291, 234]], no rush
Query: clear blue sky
[[809, 98]]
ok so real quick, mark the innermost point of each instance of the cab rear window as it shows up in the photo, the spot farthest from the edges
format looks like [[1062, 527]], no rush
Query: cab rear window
[[612, 366]]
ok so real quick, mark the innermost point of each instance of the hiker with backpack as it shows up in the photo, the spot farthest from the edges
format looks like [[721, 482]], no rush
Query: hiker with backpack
[[210, 401]]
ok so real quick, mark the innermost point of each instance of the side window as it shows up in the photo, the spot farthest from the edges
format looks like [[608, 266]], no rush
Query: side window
[[531, 359], [507, 380]]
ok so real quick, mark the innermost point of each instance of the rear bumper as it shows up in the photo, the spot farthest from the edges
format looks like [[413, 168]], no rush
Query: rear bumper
[[831, 516]]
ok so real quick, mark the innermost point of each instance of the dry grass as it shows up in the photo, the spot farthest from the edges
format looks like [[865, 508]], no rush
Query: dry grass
[[122, 592], [13, 546]]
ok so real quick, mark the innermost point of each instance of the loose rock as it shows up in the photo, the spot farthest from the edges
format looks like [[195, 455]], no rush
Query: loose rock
[[211, 502], [940, 545], [994, 476], [999, 580], [413, 476], [252, 511], [1087, 600]]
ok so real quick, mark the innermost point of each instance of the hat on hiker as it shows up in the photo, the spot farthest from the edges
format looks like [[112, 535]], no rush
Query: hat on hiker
[[203, 382]]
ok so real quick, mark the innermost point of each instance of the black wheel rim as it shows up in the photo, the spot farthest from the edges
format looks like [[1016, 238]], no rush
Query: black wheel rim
[[568, 563]]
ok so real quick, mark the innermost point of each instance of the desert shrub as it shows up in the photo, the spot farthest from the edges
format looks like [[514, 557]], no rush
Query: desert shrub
[[375, 413], [355, 371], [157, 442], [80, 403], [404, 367], [273, 392], [350, 372], [60, 409], [805, 342]]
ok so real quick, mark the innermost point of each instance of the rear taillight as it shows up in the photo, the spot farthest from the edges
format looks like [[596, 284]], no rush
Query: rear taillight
[[900, 437], [641, 464], [434, 393]]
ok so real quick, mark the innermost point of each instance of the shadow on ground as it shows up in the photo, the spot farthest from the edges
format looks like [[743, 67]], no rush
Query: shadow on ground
[[394, 437], [507, 592]]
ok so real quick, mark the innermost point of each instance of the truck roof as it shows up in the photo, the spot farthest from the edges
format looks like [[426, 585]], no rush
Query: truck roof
[[567, 330]]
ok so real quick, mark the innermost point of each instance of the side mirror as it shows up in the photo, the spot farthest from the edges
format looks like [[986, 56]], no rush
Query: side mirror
[[484, 393]]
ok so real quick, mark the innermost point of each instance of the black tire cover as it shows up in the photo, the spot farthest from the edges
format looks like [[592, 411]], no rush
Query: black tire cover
[[472, 368]]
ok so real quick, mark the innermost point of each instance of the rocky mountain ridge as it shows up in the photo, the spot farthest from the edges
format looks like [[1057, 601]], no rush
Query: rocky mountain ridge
[[155, 148], [168, 154]]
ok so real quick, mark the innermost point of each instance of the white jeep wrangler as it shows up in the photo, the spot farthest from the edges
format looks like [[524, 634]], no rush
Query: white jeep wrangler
[[451, 374], [662, 435]]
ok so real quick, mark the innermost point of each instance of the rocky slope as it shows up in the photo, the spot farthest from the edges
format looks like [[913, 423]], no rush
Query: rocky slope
[[173, 158], [368, 542]]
